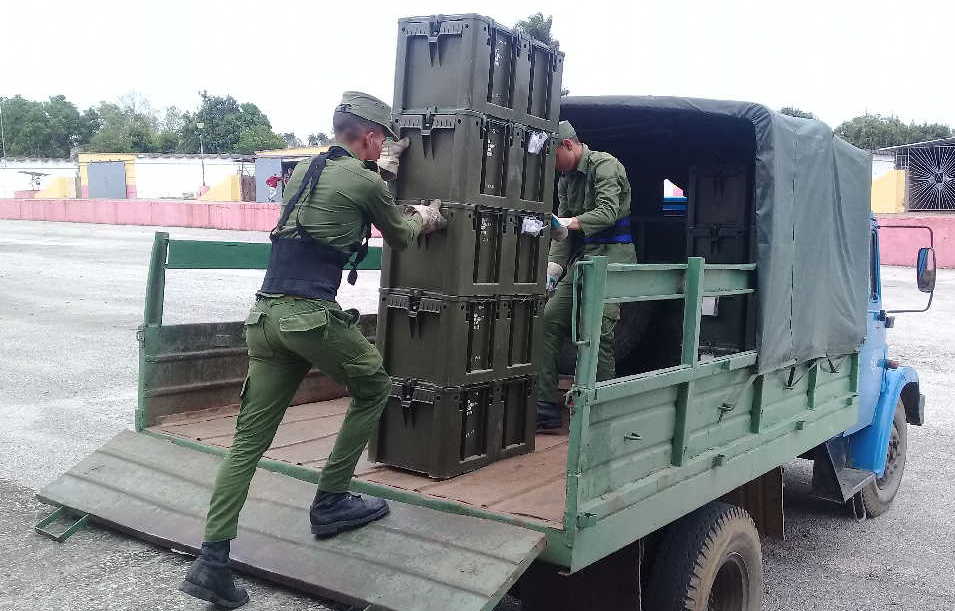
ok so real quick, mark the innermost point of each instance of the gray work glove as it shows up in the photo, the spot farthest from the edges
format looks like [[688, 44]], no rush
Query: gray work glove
[[431, 216], [390, 157], [554, 272]]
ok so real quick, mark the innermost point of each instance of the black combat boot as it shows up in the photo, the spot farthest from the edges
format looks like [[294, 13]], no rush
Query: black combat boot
[[210, 578], [548, 417], [334, 512]]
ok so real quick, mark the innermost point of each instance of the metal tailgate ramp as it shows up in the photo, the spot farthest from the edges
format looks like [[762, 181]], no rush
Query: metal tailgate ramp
[[416, 558]]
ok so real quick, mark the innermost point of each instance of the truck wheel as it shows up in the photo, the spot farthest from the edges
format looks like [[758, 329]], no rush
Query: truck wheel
[[709, 560], [878, 495]]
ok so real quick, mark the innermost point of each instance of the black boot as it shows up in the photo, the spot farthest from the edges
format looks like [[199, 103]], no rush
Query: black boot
[[334, 512], [210, 578], [548, 417]]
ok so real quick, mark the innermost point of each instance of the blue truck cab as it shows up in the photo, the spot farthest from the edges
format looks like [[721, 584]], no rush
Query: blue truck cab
[[864, 465]]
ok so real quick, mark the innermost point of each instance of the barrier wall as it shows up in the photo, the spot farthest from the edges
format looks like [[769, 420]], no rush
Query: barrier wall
[[170, 213], [241, 216], [899, 246]]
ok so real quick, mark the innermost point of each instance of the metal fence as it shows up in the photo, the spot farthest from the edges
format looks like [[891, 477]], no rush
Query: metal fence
[[930, 176]]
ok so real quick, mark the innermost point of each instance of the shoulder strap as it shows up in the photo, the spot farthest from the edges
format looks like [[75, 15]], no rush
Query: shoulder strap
[[312, 175]]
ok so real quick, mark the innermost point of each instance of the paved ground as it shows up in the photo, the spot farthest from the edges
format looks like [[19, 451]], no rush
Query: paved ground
[[71, 297]]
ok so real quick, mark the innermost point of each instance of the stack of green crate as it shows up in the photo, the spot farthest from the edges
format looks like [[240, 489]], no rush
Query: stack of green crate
[[458, 321]]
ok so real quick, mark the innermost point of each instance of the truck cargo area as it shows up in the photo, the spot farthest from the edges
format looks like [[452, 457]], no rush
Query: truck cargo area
[[527, 486]]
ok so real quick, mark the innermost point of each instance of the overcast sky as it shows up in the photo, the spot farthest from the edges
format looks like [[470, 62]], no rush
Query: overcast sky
[[838, 58]]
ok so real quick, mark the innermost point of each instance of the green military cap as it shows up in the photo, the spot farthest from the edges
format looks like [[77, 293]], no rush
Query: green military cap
[[565, 130], [368, 107]]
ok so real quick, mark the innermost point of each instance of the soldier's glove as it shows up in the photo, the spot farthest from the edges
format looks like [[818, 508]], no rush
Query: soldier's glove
[[431, 216], [554, 272], [390, 155], [558, 232]]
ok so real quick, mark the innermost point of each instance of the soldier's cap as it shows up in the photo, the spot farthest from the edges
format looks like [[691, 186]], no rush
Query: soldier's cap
[[368, 107], [565, 130]]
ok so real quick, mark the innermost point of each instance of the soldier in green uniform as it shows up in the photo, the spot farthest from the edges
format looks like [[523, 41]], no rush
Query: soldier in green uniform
[[593, 196], [295, 324]]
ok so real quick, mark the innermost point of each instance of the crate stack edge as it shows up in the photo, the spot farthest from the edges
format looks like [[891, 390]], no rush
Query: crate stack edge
[[458, 323]]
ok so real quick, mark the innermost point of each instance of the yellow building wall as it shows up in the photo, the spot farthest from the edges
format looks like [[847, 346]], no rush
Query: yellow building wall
[[229, 190], [60, 187], [128, 159], [888, 192]]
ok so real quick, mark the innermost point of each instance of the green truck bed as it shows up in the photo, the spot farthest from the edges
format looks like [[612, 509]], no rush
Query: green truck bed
[[642, 450]]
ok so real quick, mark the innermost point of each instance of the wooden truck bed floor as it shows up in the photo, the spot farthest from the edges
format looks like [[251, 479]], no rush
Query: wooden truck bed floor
[[530, 486]]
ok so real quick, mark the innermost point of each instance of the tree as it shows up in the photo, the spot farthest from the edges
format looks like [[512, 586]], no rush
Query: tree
[[43, 129], [228, 127], [537, 27], [319, 139], [872, 131], [291, 140], [128, 127], [792, 111]]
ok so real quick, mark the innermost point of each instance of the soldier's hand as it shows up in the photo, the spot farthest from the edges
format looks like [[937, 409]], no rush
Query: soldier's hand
[[431, 216], [554, 272], [558, 232], [390, 156]]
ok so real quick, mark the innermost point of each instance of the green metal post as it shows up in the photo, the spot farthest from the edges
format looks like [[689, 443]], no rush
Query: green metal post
[[589, 287], [152, 320], [156, 280], [590, 282], [692, 308]]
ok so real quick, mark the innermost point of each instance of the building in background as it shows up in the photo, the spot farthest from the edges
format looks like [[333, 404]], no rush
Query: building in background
[[278, 162], [29, 177], [917, 177], [166, 176]]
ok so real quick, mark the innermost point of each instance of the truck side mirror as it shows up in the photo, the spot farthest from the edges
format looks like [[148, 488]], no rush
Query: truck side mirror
[[925, 270]]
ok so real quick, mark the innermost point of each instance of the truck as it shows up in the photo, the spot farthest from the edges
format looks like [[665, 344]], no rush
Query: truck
[[753, 333]]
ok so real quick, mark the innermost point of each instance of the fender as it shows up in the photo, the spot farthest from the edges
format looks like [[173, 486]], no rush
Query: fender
[[868, 446]]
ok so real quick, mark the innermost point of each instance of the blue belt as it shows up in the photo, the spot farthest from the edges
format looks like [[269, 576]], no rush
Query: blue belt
[[618, 233]]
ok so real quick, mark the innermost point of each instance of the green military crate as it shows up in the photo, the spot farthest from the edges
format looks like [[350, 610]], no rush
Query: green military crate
[[470, 157], [483, 251], [471, 62], [445, 431], [452, 340]]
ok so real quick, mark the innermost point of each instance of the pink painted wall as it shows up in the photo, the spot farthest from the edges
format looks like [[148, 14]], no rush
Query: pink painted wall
[[242, 216], [899, 246]]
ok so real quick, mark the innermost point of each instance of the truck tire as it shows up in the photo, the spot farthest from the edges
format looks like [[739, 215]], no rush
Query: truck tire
[[878, 496], [709, 560]]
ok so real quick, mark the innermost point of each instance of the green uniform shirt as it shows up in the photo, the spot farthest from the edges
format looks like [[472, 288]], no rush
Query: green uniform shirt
[[349, 195], [597, 192]]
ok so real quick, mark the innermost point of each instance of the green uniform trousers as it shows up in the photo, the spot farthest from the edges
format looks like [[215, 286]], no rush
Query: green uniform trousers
[[556, 328], [286, 337]]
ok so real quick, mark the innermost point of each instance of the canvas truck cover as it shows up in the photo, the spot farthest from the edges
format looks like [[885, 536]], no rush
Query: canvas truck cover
[[811, 200]]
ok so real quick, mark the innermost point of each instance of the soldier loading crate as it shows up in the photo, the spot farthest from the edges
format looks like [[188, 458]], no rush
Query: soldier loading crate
[[296, 324], [459, 323]]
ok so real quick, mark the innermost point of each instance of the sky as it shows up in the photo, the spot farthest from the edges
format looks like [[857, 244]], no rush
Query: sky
[[837, 59]]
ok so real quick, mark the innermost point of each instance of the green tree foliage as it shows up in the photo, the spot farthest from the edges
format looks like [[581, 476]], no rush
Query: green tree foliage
[[130, 126], [537, 27], [872, 131], [319, 139], [44, 129], [792, 111], [228, 127]]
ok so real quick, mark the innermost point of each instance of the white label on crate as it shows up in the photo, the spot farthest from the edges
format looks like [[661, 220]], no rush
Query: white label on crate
[[532, 226], [536, 142]]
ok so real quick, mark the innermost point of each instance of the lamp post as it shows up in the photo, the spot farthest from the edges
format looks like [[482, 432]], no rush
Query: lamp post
[[3, 138], [202, 159]]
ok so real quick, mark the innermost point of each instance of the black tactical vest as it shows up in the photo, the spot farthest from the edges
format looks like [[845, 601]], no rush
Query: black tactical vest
[[299, 264]]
